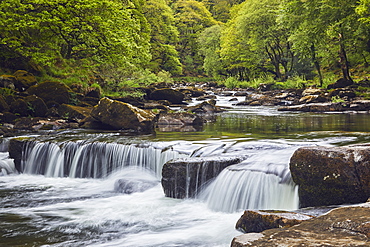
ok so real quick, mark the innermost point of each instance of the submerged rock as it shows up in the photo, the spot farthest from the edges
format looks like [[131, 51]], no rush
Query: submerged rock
[[184, 178], [117, 115], [331, 175], [260, 220], [346, 226], [129, 186]]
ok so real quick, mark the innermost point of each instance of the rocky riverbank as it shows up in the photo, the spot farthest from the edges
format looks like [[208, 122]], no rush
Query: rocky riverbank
[[29, 105]]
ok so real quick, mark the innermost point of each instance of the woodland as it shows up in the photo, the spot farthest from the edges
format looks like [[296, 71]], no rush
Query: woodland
[[120, 45]]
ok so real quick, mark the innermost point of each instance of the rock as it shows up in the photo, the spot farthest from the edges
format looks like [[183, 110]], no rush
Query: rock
[[206, 107], [24, 80], [129, 186], [122, 116], [312, 91], [15, 151], [341, 83], [312, 99], [346, 226], [180, 119], [317, 107], [19, 107], [8, 81], [3, 105], [8, 117], [51, 91], [74, 112], [183, 178], [94, 93], [331, 176], [258, 221], [173, 96], [36, 106]]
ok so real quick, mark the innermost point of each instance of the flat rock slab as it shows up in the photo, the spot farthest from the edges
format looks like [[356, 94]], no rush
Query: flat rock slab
[[346, 226]]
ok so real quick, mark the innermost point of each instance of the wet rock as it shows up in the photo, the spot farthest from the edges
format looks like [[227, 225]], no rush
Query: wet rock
[[331, 175], [317, 107], [15, 152], [24, 80], [206, 107], [51, 91], [129, 186], [179, 119], [184, 178], [261, 220], [346, 226], [173, 96], [122, 116]]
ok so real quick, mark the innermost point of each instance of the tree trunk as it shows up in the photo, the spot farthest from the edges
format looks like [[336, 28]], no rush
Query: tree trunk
[[343, 59], [316, 64]]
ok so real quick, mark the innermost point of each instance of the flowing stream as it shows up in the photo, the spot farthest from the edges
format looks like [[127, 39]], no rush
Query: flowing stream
[[79, 188]]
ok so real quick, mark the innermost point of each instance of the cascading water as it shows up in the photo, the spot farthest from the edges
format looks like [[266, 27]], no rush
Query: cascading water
[[91, 160], [262, 181]]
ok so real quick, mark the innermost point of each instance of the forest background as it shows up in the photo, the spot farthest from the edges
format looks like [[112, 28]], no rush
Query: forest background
[[120, 45]]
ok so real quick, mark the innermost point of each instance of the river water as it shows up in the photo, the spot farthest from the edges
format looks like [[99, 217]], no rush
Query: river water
[[68, 193]]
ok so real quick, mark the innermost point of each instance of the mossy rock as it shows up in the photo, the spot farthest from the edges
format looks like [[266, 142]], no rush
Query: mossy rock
[[19, 107], [173, 96], [51, 91], [24, 80], [331, 176], [74, 112], [123, 116], [36, 106], [3, 105]]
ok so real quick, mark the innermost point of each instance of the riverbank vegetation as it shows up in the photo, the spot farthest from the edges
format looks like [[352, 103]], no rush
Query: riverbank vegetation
[[120, 45]]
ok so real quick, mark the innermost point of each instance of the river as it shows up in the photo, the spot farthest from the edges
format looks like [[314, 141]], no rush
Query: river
[[68, 194]]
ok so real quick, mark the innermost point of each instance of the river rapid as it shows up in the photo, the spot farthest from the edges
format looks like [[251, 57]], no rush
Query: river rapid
[[65, 198]]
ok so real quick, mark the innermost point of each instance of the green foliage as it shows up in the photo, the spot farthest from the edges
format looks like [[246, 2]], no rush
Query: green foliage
[[337, 99], [164, 36], [231, 82], [191, 18]]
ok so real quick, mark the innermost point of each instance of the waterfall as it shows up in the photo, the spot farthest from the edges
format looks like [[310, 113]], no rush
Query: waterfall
[[91, 160], [260, 182]]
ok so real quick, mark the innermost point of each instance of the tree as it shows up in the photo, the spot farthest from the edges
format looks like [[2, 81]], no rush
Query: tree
[[100, 31], [191, 17], [318, 23], [209, 47], [255, 40], [164, 36]]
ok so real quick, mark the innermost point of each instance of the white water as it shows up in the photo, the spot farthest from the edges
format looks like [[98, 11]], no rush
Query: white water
[[87, 212], [95, 160]]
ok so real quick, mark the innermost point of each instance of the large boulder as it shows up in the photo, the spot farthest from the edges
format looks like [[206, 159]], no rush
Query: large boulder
[[331, 175], [341, 83], [261, 220], [179, 120], [184, 178], [346, 226], [122, 116], [51, 91], [173, 96]]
